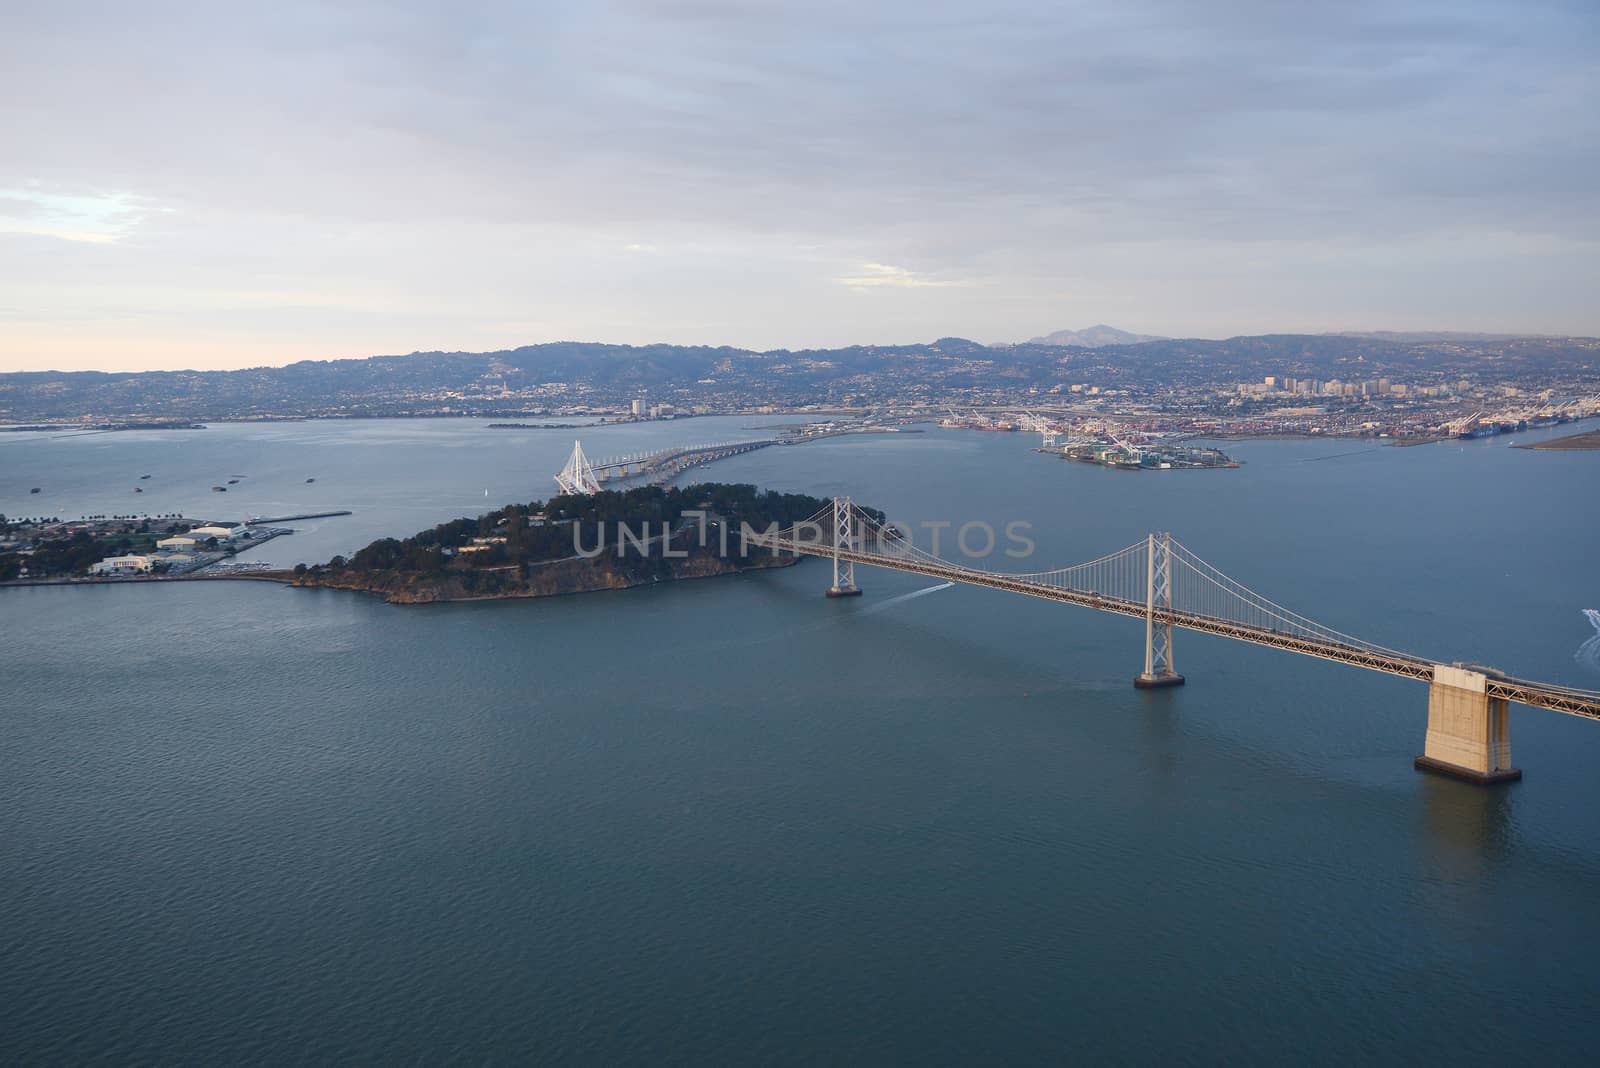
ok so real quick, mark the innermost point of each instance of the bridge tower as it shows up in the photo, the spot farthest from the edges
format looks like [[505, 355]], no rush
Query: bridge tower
[[578, 476], [1469, 730], [1158, 634], [844, 571]]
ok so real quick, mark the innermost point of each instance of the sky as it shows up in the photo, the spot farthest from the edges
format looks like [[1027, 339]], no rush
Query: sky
[[213, 185]]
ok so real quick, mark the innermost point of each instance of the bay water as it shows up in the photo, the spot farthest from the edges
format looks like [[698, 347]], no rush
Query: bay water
[[732, 821]]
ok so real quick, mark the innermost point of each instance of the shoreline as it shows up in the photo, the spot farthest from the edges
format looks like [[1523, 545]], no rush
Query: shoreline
[[530, 595], [1583, 441], [580, 578], [274, 575], [288, 579]]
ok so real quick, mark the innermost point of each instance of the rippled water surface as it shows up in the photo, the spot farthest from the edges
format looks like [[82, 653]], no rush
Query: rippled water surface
[[733, 821]]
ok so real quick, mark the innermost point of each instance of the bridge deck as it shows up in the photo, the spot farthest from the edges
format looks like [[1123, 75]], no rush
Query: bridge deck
[[1534, 694], [652, 461]]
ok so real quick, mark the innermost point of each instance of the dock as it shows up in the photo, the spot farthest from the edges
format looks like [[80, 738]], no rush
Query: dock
[[291, 518]]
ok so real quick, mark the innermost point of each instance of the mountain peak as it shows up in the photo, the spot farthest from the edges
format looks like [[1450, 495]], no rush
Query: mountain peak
[[1094, 337]]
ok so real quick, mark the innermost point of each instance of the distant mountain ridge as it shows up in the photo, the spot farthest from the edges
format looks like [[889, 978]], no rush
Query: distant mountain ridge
[[574, 376], [1093, 337], [1437, 335]]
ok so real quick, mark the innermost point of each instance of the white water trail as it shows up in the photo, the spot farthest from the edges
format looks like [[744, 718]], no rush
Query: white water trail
[[891, 602], [1588, 653]]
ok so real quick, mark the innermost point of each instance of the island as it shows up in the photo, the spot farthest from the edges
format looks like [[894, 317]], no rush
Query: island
[[575, 543], [1122, 456], [124, 548], [152, 424]]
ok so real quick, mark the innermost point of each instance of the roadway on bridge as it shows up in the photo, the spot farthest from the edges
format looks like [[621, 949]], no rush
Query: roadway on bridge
[[1105, 585]]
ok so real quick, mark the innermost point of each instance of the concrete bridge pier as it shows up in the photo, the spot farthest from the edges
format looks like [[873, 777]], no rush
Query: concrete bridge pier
[[1469, 731]]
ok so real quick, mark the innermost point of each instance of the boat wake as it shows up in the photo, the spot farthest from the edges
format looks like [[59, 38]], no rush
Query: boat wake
[[891, 602], [1588, 653], [788, 634]]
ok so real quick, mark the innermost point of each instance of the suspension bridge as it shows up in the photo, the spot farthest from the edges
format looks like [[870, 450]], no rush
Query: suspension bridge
[[1160, 581]]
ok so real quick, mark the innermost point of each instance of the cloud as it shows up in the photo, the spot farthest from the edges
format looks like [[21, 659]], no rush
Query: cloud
[[888, 275], [87, 217], [1179, 167]]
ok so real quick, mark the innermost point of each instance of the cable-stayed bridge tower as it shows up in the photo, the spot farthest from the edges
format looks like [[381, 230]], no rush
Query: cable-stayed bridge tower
[[578, 477]]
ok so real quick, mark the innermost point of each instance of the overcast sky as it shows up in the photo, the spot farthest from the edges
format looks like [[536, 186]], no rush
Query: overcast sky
[[219, 185]]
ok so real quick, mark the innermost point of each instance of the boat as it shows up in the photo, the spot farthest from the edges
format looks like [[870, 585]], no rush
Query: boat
[[310, 480], [142, 477], [233, 482], [138, 489], [34, 490], [219, 489]]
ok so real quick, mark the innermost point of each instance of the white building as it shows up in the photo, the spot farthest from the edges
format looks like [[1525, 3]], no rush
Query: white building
[[218, 532], [178, 543], [121, 565]]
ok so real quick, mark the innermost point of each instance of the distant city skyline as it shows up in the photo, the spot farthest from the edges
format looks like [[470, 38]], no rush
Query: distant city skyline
[[183, 187]]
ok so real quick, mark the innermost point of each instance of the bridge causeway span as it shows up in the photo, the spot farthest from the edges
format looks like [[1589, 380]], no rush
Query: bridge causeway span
[[1163, 583], [582, 475]]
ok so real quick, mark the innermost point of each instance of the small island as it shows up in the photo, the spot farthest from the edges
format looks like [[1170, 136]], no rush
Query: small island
[[572, 544], [1121, 456]]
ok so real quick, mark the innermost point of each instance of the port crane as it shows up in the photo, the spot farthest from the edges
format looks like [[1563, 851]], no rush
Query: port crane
[[1043, 427], [1111, 432], [1458, 426]]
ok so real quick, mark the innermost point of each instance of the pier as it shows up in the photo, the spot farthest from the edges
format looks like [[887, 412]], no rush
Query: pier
[[291, 518]]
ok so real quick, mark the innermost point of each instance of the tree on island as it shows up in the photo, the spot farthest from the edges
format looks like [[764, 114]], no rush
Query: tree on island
[[543, 531]]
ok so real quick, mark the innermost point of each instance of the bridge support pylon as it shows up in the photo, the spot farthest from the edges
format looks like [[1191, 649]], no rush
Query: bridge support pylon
[[1469, 731], [844, 571], [1158, 671]]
